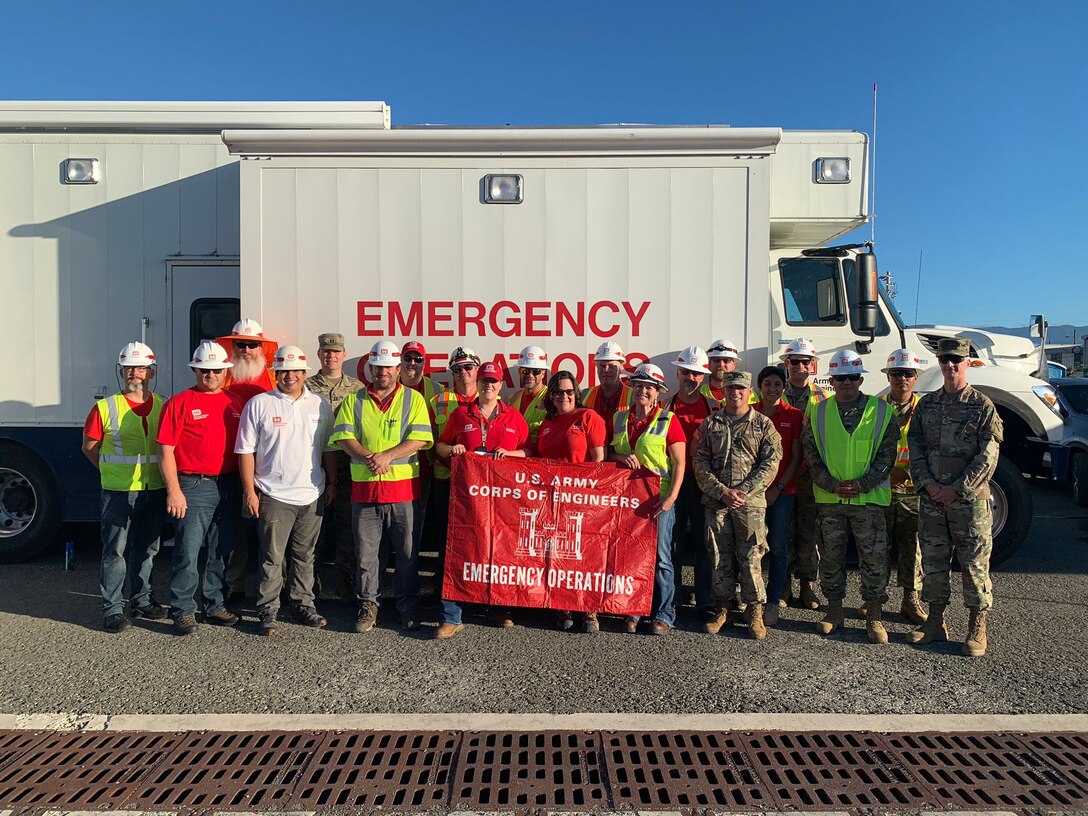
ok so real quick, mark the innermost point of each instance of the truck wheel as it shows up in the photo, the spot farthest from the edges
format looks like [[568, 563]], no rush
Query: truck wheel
[[29, 505], [1012, 507], [1079, 478]]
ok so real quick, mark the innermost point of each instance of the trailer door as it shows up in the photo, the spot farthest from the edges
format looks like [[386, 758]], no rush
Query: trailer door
[[203, 305]]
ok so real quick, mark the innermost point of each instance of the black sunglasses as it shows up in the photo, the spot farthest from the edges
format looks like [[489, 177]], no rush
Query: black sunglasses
[[797, 361], [902, 372], [412, 358], [955, 359], [845, 377], [247, 344]]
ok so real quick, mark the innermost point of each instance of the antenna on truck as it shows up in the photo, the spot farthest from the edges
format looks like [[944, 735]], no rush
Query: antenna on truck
[[872, 176]]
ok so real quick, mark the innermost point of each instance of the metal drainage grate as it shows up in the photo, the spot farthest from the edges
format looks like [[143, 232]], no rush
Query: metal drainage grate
[[13, 743], [407, 770], [833, 770], [992, 770], [557, 769], [1067, 754], [214, 769], [649, 770], [82, 769]]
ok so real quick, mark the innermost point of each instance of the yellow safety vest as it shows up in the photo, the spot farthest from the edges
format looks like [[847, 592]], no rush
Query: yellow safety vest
[[443, 404], [848, 455], [405, 419], [704, 389], [535, 413], [651, 448], [129, 457], [902, 449]]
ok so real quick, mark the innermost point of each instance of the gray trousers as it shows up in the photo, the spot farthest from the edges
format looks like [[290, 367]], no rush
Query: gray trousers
[[379, 528], [287, 529]]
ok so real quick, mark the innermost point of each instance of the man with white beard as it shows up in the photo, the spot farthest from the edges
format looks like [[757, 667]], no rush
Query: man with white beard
[[251, 355]]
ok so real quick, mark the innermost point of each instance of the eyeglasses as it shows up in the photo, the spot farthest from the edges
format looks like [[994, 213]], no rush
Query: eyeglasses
[[536, 372], [845, 377], [903, 372], [246, 344], [412, 359], [799, 361], [563, 392], [954, 359], [461, 369]]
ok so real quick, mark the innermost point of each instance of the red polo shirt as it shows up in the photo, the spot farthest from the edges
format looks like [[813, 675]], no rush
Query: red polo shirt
[[691, 416], [506, 429], [570, 437], [202, 428], [787, 421]]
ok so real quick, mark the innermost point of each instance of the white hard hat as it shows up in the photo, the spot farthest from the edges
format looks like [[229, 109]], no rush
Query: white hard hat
[[845, 361], [463, 354], [609, 352], [290, 358], [532, 357], [692, 358], [649, 373], [903, 358], [723, 348], [247, 328], [384, 353], [210, 355], [136, 354], [799, 348]]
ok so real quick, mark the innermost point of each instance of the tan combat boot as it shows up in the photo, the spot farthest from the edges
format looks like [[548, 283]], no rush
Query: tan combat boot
[[756, 629], [874, 627], [808, 596], [975, 645], [933, 630], [716, 620], [832, 620], [911, 608]]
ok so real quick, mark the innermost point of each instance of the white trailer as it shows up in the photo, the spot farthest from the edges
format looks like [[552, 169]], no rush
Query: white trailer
[[655, 237]]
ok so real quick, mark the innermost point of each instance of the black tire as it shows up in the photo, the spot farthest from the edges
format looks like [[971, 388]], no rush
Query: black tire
[[1078, 478], [1013, 509], [29, 505]]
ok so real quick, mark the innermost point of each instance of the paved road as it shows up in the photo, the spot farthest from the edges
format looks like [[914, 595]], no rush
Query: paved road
[[55, 658]]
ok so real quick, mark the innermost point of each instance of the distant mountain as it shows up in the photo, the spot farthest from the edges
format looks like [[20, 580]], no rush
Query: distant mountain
[[1063, 334]]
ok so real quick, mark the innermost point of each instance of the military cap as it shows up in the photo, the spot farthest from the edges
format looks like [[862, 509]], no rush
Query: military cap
[[954, 345], [333, 341], [738, 379]]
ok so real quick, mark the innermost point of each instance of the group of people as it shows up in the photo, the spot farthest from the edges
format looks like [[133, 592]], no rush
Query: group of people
[[776, 469]]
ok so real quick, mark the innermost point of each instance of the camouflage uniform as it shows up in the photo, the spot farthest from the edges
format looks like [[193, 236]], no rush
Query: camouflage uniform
[[866, 521], [336, 526], [901, 516], [804, 563], [954, 440], [741, 453]]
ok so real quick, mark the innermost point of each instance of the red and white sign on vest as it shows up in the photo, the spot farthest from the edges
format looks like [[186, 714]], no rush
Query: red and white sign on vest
[[544, 534]]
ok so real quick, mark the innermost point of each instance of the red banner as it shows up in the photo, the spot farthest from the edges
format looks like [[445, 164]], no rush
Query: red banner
[[544, 534]]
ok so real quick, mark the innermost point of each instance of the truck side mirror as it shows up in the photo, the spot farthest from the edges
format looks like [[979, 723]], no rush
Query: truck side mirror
[[868, 314]]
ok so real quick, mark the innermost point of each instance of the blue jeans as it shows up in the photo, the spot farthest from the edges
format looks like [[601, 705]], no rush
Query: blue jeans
[[664, 578], [131, 527], [203, 541], [778, 538], [451, 612]]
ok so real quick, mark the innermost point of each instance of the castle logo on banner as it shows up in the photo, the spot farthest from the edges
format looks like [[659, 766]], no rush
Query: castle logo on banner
[[544, 534]]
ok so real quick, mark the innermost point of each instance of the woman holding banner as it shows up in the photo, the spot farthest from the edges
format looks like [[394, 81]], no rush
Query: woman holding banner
[[484, 426], [649, 436], [570, 433]]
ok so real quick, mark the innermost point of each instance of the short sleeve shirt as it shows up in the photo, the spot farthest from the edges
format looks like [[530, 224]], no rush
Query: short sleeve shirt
[[92, 427], [788, 421], [202, 428], [570, 437], [507, 429]]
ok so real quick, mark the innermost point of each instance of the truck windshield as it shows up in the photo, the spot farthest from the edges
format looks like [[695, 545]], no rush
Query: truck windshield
[[811, 291]]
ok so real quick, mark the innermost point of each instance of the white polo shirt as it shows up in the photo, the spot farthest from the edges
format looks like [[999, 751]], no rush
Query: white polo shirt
[[287, 437]]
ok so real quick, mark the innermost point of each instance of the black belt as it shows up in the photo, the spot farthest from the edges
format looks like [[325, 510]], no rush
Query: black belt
[[214, 478]]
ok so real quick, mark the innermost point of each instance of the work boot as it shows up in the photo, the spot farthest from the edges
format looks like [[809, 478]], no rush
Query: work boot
[[117, 624], [150, 611], [770, 614], [863, 610], [591, 624], [833, 619], [715, 620], [447, 630], [933, 630], [975, 645], [911, 608], [874, 627], [367, 616], [756, 629], [808, 596], [787, 592], [221, 617]]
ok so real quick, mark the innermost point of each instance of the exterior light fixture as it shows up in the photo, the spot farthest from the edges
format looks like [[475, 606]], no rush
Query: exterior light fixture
[[502, 189], [833, 171], [80, 171]]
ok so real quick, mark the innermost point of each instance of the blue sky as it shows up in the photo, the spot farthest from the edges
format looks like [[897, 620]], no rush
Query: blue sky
[[983, 121]]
